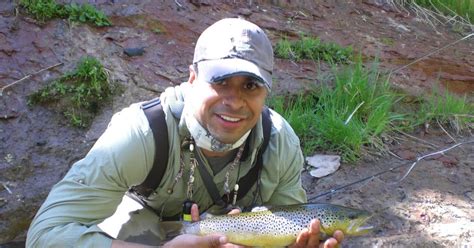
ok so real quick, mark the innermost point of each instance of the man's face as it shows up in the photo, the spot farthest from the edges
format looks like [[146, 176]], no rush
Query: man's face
[[230, 108]]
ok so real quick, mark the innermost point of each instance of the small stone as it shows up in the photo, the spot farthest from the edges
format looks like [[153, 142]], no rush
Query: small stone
[[41, 143], [9, 158], [245, 12], [134, 51], [469, 195]]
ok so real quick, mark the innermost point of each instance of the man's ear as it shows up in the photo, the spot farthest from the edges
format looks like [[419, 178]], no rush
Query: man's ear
[[192, 74]]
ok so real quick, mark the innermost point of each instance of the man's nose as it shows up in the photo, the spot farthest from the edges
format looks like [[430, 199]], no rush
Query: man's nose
[[233, 98]]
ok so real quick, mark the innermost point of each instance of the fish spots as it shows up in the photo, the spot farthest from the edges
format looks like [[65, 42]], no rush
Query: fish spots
[[279, 226]]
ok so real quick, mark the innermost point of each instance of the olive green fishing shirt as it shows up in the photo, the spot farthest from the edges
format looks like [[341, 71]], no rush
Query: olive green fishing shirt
[[123, 156]]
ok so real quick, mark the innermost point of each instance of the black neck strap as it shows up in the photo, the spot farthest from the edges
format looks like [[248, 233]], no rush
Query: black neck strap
[[247, 181], [208, 181]]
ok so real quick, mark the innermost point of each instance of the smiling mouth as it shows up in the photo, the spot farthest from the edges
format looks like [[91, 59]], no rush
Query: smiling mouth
[[230, 119]]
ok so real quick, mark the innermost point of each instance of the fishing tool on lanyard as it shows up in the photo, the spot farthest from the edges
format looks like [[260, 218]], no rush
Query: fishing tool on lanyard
[[188, 203]]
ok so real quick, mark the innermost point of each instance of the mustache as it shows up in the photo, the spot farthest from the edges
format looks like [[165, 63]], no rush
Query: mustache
[[223, 110]]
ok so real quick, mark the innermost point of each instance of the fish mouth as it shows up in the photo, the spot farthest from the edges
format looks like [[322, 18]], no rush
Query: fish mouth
[[360, 226], [364, 229]]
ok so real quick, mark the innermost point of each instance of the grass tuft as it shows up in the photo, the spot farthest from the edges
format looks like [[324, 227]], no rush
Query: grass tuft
[[80, 93], [314, 49], [86, 13], [462, 8], [348, 117], [353, 110], [446, 109], [44, 10]]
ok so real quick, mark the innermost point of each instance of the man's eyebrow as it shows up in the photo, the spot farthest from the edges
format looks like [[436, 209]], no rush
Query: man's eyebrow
[[255, 81], [251, 80]]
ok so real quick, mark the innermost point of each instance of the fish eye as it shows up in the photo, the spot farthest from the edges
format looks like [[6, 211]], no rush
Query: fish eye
[[352, 216]]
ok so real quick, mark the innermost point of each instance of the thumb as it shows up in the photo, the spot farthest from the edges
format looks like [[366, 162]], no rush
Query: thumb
[[195, 212], [214, 240]]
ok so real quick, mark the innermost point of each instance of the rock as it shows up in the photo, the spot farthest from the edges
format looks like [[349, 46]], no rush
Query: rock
[[324, 164], [245, 12], [398, 26], [41, 142], [469, 195], [134, 51]]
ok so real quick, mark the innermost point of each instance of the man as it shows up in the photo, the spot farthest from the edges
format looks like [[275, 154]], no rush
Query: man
[[218, 111]]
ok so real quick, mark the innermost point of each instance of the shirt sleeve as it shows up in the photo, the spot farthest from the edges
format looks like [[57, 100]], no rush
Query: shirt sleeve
[[282, 183], [95, 185]]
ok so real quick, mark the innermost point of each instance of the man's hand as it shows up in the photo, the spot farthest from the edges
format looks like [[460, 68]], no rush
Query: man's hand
[[195, 217], [189, 240], [309, 237]]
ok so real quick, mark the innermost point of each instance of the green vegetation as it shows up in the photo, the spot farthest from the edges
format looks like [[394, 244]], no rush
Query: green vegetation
[[86, 13], [462, 8], [345, 118], [355, 107], [79, 93], [314, 49], [350, 113], [44, 10], [446, 109]]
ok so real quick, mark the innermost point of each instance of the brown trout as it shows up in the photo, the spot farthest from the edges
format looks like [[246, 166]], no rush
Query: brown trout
[[279, 225]]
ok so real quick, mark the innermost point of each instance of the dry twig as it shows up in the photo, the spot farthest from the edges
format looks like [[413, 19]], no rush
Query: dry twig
[[446, 132], [6, 187], [28, 76], [429, 155], [418, 139]]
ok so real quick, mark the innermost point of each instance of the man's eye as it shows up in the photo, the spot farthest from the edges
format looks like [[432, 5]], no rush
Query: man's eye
[[222, 82], [251, 85]]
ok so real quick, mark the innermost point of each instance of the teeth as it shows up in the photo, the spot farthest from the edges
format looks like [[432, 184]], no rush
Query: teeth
[[227, 118]]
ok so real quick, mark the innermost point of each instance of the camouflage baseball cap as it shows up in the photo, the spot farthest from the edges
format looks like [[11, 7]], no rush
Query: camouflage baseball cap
[[234, 47]]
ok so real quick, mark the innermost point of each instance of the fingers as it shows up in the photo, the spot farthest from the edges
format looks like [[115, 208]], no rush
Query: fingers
[[301, 239], [234, 211], [335, 240], [308, 237], [313, 240], [189, 240], [339, 236], [214, 240], [194, 212], [330, 243], [229, 245]]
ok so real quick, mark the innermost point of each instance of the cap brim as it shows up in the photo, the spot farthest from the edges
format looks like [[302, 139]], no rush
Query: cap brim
[[216, 70]]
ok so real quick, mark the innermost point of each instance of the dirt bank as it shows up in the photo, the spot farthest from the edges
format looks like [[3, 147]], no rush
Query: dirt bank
[[432, 207]]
